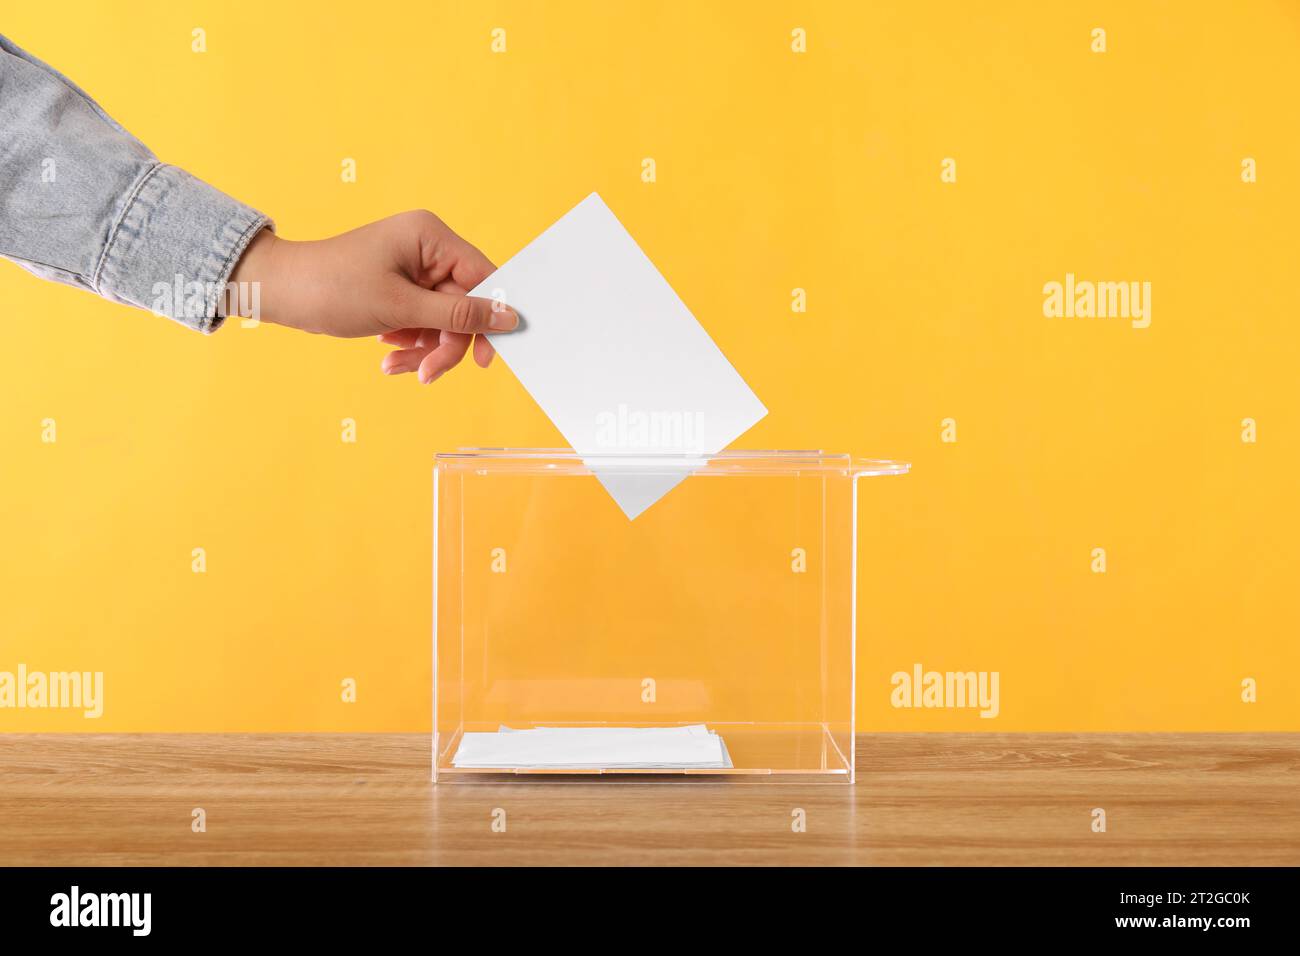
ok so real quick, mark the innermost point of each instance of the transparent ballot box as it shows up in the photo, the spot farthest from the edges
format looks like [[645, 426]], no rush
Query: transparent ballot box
[[714, 634]]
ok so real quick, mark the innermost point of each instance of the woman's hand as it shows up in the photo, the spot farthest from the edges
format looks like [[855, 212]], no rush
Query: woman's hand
[[403, 278]]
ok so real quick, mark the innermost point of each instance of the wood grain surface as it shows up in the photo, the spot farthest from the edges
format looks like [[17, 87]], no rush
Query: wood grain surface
[[955, 799]]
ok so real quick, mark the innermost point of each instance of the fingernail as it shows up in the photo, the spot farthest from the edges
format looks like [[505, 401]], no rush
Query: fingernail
[[503, 321]]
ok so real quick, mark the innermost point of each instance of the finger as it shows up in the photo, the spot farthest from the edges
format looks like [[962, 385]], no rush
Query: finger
[[403, 360], [465, 314], [417, 344], [401, 338], [451, 349], [483, 350]]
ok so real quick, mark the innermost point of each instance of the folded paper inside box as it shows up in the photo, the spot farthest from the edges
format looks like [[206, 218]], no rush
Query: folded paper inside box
[[692, 747]]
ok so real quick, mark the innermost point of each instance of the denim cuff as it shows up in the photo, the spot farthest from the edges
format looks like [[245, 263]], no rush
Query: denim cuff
[[175, 246]]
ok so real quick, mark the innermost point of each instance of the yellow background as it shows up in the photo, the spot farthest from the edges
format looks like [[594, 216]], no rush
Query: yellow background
[[775, 170]]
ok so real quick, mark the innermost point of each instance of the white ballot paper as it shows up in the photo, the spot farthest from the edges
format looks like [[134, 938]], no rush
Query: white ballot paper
[[692, 747], [615, 358]]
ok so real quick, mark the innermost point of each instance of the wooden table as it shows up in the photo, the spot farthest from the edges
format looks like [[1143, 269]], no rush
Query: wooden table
[[1170, 799]]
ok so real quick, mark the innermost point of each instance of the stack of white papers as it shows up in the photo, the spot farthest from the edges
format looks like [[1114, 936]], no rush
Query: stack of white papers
[[692, 747]]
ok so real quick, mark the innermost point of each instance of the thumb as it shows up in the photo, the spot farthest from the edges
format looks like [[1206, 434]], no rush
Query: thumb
[[424, 309]]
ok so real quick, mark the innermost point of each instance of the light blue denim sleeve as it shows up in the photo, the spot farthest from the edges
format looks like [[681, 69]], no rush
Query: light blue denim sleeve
[[82, 201]]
